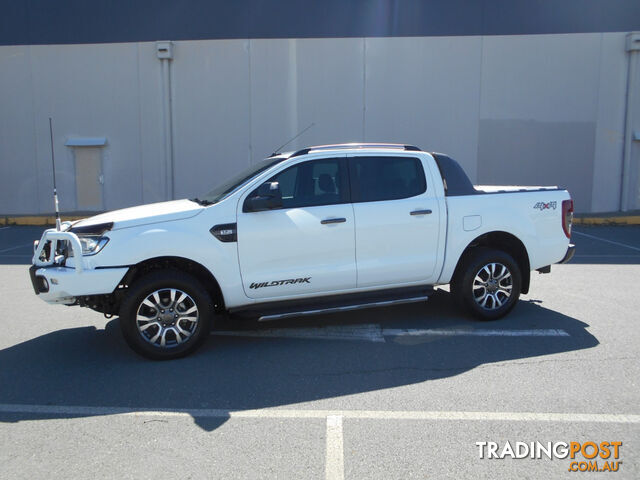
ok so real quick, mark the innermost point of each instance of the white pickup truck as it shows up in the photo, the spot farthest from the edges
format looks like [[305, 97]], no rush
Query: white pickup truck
[[323, 229]]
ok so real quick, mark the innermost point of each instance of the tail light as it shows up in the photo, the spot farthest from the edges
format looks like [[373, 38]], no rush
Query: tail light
[[567, 217]]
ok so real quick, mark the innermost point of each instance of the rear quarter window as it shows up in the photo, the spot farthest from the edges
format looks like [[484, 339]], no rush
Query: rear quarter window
[[376, 179]]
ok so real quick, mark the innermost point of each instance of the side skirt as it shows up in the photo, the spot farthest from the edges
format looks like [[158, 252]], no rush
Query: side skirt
[[332, 304]]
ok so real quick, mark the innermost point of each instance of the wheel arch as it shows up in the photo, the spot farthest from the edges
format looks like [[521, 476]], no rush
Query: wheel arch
[[507, 242], [199, 271]]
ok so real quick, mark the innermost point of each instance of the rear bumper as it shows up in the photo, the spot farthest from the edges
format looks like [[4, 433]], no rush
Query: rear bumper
[[571, 250]]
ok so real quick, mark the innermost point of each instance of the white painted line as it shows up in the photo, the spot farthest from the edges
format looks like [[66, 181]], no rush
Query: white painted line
[[15, 248], [374, 333], [274, 413], [334, 465], [368, 332], [630, 255], [607, 241], [551, 332], [4, 228]]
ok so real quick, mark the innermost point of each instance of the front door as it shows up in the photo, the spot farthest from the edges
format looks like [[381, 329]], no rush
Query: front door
[[306, 247], [397, 220]]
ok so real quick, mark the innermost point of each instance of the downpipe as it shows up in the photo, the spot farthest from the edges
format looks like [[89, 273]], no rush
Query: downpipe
[[632, 46], [164, 51]]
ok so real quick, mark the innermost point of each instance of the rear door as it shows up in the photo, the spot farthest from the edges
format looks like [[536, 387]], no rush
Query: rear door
[[397, 220], [307, 246]]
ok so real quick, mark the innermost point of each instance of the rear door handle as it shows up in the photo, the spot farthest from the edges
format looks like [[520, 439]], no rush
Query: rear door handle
[[333, 220], [420, 212]]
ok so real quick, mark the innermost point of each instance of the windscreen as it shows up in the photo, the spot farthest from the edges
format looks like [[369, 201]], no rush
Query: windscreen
[[230, 185]]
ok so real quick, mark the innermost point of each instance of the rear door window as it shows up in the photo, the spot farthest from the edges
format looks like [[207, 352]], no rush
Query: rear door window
[[375, 179]]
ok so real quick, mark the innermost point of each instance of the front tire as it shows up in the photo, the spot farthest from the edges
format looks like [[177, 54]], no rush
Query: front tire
[[166, 315], [488, 284]]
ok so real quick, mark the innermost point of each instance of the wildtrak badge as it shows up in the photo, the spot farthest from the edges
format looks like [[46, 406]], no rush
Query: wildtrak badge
[[277, 283]]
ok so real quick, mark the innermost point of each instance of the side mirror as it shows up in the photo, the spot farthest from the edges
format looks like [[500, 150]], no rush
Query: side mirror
[[266, 197]]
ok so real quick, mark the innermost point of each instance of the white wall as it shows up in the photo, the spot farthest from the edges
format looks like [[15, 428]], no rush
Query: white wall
[[425, 91], [551, 108], [521, 109]]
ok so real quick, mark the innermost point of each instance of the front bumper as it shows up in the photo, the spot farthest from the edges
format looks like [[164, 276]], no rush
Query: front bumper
[[571, 251], [63, 285], [55, 283]]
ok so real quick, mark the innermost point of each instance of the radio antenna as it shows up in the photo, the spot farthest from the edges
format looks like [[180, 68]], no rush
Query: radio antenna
[[55, 191], [277, 150]]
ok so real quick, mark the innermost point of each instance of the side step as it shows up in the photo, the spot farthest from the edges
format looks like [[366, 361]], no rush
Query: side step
[[336, 303]]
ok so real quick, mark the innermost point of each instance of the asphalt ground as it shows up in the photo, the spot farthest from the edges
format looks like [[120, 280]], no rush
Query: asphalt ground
[[397, 392]]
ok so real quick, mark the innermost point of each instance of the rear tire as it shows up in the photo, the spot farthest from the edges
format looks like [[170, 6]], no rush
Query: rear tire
[[488, 283], [166, 315]]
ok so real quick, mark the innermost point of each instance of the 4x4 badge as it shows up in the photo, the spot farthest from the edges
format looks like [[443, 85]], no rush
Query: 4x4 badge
[[277, 283], [545, 206]]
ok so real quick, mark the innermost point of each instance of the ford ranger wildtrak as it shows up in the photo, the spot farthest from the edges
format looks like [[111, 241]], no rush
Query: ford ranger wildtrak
[[324, 229]]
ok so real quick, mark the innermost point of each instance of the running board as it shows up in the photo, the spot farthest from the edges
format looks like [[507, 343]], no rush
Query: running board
[[338, 303], [346, 308]]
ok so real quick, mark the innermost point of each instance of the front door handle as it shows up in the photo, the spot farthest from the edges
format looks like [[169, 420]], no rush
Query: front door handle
[[421, 212], [333, 220]]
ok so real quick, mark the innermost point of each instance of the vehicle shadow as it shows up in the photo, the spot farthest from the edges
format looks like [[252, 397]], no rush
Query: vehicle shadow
[[89, 367]]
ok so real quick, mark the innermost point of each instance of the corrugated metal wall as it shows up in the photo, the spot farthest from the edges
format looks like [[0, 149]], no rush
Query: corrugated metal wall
[[528, 109]]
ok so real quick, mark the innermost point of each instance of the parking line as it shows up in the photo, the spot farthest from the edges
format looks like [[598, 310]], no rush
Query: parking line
[[620, 255], [368, 332], [334, 465], [375, 333], [275, 413], [15, 248], [542, 332], [607, 241]]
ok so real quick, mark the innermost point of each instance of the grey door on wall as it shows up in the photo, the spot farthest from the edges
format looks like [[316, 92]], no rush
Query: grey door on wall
[[89, 178]]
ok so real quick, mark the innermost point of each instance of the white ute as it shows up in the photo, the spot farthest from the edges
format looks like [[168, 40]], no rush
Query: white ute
[[324, 229]]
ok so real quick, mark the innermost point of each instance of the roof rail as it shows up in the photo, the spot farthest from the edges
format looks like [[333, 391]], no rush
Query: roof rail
[[304, 151]]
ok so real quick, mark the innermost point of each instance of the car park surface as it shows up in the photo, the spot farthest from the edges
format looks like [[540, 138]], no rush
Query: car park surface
[[395, 392]]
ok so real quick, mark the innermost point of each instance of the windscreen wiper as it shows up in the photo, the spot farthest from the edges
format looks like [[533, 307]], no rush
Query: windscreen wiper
[[204, 203]]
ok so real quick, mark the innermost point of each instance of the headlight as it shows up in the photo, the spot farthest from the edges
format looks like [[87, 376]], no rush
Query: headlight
[[91, 244]]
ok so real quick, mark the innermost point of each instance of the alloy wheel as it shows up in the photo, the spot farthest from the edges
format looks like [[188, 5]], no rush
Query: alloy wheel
[[167, 317], [492, 286]]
